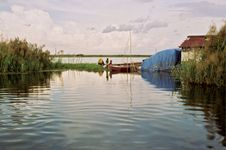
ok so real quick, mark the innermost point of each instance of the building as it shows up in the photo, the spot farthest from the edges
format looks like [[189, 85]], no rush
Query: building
[[192, 47]]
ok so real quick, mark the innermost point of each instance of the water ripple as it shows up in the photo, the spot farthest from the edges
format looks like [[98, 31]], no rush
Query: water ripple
[[80, 110]]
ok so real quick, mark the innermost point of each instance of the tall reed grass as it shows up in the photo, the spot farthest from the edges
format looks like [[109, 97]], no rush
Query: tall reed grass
[[20, 56], [211, 69]]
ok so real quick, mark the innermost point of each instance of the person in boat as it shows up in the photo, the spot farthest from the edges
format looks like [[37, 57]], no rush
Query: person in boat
[[108, 64], [101, 62]]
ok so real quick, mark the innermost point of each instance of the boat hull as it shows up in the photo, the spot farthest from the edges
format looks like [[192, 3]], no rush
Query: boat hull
[[123, 68]]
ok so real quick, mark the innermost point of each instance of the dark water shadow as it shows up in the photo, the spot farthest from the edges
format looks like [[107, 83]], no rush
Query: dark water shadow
[[26, 83], [24, 116], [15, 91], [162, 80], [212, 101]]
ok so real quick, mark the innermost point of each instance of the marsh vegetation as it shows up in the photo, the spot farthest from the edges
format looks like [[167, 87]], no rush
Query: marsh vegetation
[[211, 68], [20, 56], [90, 67]]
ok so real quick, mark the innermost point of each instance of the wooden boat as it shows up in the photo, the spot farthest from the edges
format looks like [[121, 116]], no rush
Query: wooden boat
[[123, 68], [126, 67]]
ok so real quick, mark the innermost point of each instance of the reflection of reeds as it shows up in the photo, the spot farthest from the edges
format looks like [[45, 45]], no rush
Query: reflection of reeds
[[212, 100], [211, 69], [24, 83]]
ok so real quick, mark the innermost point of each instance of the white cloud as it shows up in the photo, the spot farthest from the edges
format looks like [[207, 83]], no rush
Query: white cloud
[[36, 26], [144, 1], [119, 28], [144, 28], [109, 29], [140, 20], [32, 24], [101, 27], [17, 9], [91, 28], [125, 27], [137, 28]]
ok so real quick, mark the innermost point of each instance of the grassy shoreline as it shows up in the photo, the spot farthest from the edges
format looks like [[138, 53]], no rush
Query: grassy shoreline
[[90, 67], [83, 55], [21, 57]]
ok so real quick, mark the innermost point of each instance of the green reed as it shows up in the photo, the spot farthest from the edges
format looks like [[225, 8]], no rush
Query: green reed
[[19, 56], [90, 67], [211, 69]]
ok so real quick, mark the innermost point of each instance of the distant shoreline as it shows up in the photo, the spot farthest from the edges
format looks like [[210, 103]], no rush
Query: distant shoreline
[[84, 55]]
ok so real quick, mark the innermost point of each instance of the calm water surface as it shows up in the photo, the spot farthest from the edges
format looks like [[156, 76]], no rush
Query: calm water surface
[[91, 111]]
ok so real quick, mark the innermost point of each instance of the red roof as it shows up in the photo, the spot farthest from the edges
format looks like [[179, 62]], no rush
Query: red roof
[[194, 42]]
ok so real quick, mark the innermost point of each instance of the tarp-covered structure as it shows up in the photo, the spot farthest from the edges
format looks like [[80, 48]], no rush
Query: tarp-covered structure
[[163, 60]]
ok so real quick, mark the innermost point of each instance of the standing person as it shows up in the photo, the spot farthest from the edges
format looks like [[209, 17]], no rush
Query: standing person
[[109, 64], [107, 61]]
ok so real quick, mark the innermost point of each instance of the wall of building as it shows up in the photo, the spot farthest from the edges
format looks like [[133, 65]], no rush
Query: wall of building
[[192, 54]]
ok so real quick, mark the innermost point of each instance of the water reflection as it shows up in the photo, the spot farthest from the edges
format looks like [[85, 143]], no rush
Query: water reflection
[[86, 110], [212, 101], [19, 92], [205, 104], [23, 84], [161, 80]]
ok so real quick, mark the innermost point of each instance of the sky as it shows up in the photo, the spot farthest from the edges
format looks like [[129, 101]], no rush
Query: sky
[[104, 26]]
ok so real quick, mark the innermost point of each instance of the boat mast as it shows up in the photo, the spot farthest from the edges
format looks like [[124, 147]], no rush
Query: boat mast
[[130, 45], [130, 83]]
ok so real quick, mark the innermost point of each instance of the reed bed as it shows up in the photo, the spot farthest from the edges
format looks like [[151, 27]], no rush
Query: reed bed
[[90, 67], [211, 68], [19, 56]]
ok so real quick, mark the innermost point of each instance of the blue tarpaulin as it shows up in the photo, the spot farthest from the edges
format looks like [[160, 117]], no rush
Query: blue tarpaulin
[[163, 60]]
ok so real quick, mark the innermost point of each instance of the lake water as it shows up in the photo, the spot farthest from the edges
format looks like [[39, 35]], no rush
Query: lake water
[[115, 60], [95, 111]]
